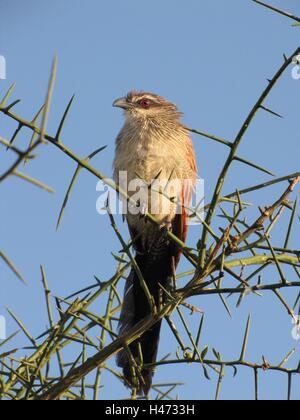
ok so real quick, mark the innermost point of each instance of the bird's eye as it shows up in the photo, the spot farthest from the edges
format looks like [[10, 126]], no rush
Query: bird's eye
[[145, 103]]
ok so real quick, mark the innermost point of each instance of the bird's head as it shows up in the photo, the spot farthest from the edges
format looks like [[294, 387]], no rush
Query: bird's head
[[143, 105]]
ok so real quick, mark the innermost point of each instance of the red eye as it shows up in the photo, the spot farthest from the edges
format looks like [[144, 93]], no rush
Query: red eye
[[145, 103]]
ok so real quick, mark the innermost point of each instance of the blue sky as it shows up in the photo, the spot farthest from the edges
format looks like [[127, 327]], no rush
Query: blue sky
[[211, 58]]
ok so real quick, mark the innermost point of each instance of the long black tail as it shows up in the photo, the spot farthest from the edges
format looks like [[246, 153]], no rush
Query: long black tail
[[156, 268]]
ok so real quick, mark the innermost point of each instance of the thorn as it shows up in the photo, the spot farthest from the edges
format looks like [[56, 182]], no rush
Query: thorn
[[270, 111], [9, 107]]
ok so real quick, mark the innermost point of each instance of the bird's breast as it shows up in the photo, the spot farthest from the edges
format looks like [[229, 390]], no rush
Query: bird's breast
[[142, 159], [151, 168]]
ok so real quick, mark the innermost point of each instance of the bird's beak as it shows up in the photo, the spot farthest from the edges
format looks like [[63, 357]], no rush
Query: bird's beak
[[121, 103]]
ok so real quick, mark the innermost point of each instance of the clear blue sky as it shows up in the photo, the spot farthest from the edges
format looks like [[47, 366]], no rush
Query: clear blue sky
[[212, 58]]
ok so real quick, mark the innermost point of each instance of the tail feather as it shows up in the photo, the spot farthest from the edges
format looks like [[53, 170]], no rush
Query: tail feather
[[142, 380], [156, 266], [135, 308]]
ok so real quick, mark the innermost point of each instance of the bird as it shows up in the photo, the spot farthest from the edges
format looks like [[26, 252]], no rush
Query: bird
[[152, 148]]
